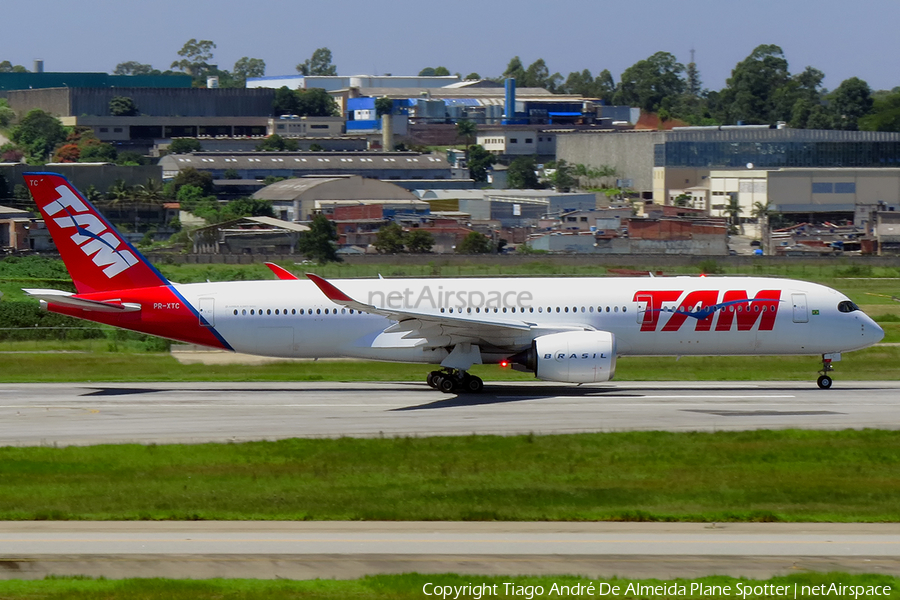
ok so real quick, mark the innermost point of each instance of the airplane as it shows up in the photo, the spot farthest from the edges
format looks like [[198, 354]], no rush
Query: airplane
[[569, 330]]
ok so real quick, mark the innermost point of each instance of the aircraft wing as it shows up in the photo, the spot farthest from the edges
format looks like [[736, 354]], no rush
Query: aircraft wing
[[435, 329], [70, 299]]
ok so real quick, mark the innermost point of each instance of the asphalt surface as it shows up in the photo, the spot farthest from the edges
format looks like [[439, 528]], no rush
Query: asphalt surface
[[66, 414], [84, 413], [347, 550]]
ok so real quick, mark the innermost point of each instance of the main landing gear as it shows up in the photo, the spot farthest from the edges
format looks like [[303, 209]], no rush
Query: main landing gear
[[455, 380], [825, 380]]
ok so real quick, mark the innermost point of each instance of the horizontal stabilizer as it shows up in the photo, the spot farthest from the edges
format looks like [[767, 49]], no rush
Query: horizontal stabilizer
[[69, 299]]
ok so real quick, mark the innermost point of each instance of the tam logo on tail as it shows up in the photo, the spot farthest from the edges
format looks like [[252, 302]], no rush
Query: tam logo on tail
[[98, 258], [91, 234]]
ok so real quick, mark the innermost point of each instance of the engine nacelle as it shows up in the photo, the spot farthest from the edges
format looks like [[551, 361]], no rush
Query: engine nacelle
[[571, 357]]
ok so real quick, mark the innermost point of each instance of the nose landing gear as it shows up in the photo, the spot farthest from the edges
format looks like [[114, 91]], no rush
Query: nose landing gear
[[454, 380], [825, 380]]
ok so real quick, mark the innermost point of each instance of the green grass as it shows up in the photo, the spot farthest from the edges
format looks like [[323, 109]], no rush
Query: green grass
[[397, 587], [93, 360], [791, 475]]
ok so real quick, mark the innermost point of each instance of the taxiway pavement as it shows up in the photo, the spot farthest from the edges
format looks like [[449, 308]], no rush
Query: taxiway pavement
[[85, 413], [300, 550]]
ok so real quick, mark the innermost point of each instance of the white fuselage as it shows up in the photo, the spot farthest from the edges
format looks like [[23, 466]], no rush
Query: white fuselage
[[648, 316]]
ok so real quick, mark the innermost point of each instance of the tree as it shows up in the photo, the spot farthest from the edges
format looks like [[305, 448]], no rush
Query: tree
[[759, 210], [819, 118], [247, 207], [6, 113], [751, 94], [231, 174], [475, 243], [562, 178], [191, 176], [733, 211], [151, 191], [651, 84], [390, 239], [473, 76], [319, 242], [427, 72], [118, 193], [122, 106], [276, 143], [286, 102], [184, 146], [467, 130], [130, 158], [683, 200], [384, 106], [316, 102], [195, 57], [419, 241], [537, 75], [11, 153], [245, 68], [521, 174], [579, 83], [133, 67], [441, 71], [479, 161], [885, 114], [38, 134], [8, 67], [851, 101], [318, 64], [692, 80], [68, 153], [604, 85], [515, 69]]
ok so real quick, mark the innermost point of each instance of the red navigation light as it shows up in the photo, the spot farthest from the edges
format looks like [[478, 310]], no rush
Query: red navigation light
[[504, 363]]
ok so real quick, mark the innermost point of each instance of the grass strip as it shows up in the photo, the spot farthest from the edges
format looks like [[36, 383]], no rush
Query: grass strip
[[89, 362], [789, 475], [414, 585]]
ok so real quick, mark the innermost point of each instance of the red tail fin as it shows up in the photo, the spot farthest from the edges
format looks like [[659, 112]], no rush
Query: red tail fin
[[97, 257]]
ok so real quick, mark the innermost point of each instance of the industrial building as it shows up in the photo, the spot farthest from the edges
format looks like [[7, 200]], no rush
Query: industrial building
[[331, 83], [86, 175], [259, 165], [300, 199], [41, 80], [165, 113], [509, 208], [656, 162]]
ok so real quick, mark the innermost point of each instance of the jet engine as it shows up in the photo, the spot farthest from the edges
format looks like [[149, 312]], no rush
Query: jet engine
[[571, 357]]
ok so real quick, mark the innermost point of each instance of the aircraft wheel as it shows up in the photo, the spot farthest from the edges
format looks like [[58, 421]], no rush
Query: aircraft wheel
[[473, 384], [824, 382], [446, 384], [432, 379]]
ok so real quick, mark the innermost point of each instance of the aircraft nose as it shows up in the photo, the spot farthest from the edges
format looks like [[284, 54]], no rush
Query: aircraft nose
[[874, 331]]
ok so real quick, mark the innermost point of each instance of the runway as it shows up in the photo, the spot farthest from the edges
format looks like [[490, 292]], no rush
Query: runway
[[84, 413], [299, 550]]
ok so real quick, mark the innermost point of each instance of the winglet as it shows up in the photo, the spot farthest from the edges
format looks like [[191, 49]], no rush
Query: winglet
[[280, 272], [331, 292]]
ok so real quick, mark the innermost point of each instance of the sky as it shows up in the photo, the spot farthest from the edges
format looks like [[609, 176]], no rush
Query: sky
[[842, 39]]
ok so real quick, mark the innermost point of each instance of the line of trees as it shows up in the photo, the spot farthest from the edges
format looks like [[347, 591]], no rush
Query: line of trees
[[761, 90]]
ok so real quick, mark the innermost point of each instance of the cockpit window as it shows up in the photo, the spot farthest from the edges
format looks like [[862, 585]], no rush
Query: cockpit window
[[847, 306]]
